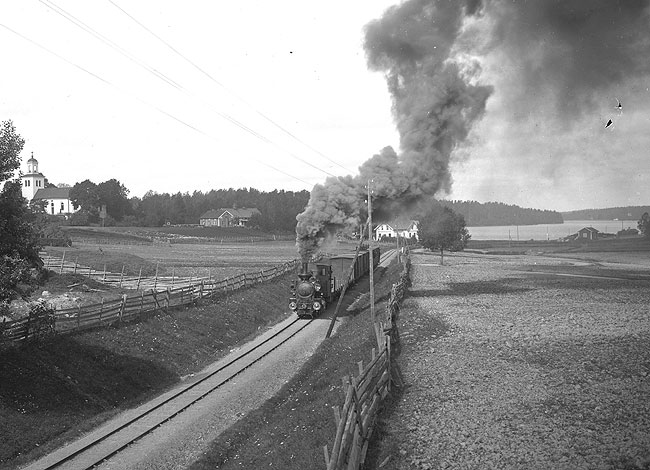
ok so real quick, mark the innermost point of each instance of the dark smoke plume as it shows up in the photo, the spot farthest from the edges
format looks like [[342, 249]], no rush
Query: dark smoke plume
[[435, 102], [569, 52]]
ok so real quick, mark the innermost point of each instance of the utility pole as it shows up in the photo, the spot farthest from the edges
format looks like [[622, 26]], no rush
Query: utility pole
[[399, 257], [372, 266]]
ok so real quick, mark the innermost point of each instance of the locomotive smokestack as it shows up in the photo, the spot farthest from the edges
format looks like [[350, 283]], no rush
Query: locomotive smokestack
[[305, 268]]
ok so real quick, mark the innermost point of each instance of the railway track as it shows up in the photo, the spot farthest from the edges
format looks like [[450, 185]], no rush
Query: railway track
[[101, 445]]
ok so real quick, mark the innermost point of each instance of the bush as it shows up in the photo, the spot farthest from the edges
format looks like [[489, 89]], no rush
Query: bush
[[18, 278]]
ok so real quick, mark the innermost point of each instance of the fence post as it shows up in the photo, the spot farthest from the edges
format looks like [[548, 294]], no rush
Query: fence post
[[101, 310], [78, 316], [75, 265], [327, 457], [62, 263], [122, 306], [122, 276], [155, 281], [139, 277]]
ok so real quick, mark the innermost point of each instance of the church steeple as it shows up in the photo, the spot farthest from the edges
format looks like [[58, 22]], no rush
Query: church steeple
[[32, 165], [33, 180]]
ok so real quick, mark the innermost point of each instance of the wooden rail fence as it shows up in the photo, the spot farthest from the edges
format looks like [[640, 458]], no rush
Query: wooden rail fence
[[364, 393], [122, 280], [109, 311]]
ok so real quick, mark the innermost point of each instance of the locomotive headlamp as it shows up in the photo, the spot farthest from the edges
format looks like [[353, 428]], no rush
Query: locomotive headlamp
[[292, 305], [316, 305]]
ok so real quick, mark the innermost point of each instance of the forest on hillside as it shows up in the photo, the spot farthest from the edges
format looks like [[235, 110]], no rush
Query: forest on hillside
[[278, 207], [479, 214], [610, 213]]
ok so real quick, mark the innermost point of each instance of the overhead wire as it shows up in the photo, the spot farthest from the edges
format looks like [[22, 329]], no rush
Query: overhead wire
[[217, 82], [79, 23], [126, 92]]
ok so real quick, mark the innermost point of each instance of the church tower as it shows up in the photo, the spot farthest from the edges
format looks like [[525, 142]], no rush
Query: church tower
[[33, 180]]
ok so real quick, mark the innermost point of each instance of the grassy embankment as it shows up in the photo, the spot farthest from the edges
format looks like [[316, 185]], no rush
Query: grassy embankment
[[54, 391]]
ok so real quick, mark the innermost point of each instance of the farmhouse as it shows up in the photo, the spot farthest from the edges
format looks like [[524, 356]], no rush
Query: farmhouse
[[405, 229], [228, 217], [57, 200]]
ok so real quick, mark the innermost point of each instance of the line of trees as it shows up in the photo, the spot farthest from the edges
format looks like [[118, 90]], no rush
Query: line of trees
[[478, 214], [609, 213], [278, 208]]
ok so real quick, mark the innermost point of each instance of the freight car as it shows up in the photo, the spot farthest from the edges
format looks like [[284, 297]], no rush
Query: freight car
[[321, 282]]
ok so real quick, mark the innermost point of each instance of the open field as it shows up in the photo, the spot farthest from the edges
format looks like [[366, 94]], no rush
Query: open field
[[522, 361], [196, 260], [172, 233], [185, 260], [619, 245]]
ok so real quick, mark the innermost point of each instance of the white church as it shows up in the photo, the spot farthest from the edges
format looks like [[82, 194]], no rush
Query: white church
[[33, 187]]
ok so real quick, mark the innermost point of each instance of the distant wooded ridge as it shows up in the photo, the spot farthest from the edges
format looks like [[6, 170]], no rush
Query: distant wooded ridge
[[610, 213], [479, 214]]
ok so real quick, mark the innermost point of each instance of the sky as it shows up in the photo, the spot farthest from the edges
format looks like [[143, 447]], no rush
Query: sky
[[279, 95]]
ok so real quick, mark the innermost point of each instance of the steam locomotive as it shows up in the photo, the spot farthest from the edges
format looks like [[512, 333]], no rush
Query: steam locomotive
[[321, 282]]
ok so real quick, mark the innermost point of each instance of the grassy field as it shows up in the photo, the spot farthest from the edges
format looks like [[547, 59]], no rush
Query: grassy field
[[622, 245], [145, 234], [185, 260]]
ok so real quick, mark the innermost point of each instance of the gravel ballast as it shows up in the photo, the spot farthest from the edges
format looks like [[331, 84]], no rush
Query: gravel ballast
[[507, 369]]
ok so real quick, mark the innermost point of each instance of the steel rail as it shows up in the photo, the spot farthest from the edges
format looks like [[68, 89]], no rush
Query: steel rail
[[183, 391]]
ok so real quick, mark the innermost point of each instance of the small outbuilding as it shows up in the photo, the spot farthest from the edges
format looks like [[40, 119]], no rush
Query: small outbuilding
[[588, 234]]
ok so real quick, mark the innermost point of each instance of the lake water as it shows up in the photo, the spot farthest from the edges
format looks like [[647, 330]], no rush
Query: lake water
[[547, 232]]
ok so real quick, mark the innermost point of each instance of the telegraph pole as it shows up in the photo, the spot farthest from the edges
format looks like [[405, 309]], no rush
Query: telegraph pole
[[372, 267]]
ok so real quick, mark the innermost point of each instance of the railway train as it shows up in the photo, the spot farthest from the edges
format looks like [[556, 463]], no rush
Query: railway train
[[320, 282]]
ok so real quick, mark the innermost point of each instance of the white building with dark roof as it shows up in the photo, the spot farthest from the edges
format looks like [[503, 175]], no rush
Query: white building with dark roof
[[57, 200], [403, 228]]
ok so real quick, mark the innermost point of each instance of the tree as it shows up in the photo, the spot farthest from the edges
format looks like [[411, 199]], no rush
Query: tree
[[20, 265], [114, 196], [644, 225], [442, 229], [90, 197], [84, 196], [11, 144]]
